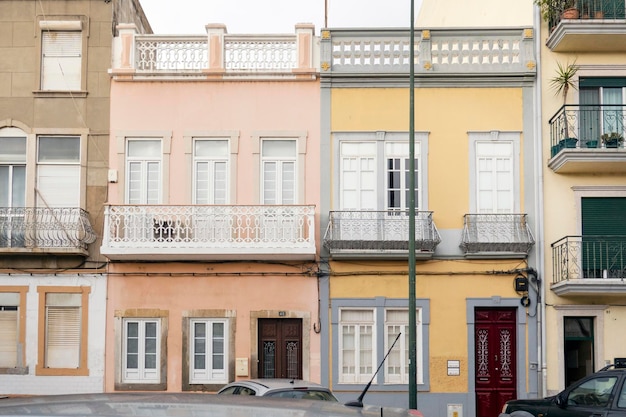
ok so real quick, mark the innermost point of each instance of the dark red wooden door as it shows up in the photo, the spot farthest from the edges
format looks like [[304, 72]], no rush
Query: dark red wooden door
[[280, 348], [496, 373]]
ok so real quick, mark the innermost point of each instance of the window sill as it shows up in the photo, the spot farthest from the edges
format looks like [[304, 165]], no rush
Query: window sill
[[55, 94], [41, 371], [22, 370], [162, 386]]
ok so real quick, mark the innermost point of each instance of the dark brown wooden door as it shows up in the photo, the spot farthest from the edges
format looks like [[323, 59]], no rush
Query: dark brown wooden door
[[280, 348], [496, 373]]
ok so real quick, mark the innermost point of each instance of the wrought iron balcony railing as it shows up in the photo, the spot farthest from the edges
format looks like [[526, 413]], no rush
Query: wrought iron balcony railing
[[497, 234], [379, 231], [204, 232], [587, 126], [37, 229], [589, 257], [587, 9]]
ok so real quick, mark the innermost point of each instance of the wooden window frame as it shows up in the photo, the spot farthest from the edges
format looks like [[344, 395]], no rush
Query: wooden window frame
[[41, 369], [21, 368]]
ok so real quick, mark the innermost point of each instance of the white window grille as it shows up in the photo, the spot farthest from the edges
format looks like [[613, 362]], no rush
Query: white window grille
[[495, 177], [209, 351], [279, 172], [143, 167], [357, 350], [141, 351]]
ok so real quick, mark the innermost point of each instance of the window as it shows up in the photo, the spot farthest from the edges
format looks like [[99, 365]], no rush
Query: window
[[397, 364], [356, 346], [12, 171], [63, 313], [9, 332], [494, 177], [374, 171], [602, 109], [279, 171], [358, 175], [143, 168], [398, 176], [61, 56], [58, 171], [211, 171], [208, 351], [141, 351], [12, 188], [595, 392]]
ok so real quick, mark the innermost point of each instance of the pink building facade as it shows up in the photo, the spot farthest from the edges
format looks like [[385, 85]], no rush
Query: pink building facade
[[212, 219]]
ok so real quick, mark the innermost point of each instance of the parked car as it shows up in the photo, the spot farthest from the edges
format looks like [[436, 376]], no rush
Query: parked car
[[600, 394], [183, 405], [282, 388]]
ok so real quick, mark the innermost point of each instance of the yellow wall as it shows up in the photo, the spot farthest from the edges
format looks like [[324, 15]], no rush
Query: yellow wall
[[447, 114], [447, 284]]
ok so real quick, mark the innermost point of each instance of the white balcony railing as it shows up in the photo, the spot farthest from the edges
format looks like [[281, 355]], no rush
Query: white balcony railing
[[217, 55], [145, 232]]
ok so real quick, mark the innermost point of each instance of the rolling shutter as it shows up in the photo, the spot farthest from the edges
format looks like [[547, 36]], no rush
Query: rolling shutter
[[61, 60], [8, 337]]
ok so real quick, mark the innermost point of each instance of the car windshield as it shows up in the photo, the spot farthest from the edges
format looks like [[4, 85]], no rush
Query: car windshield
[[594, 392], [302, 394]]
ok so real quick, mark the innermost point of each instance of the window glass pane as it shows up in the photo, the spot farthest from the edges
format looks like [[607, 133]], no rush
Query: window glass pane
[[279, 148], [18, 186], [12, 149], [211, 148], [144, 148], [58, 149]]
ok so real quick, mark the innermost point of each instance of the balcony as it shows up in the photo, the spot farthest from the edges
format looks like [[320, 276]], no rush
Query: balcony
[[37, 231], [589, 265], [496, 236], [379, 234], [576, 139], [169, 233], [217, 55], [594, 26]]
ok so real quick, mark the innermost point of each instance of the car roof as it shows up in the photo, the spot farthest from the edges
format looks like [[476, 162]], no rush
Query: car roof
[[181, 405], [263, 385]]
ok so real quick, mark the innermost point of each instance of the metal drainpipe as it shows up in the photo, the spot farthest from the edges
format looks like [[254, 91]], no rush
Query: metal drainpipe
[[541, 265]]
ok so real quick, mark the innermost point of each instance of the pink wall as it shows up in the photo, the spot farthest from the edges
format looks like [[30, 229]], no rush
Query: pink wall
[[218, 106], [183, 108]]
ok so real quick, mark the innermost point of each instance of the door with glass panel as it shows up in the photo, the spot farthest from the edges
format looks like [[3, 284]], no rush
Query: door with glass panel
[[212, 220], [278, 188], [398, 176], [578, 348], [280, 348], [601, 112], [143, 187], [12, 191]]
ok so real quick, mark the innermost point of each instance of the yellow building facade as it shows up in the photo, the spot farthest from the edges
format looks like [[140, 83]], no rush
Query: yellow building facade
[[584, 190], [476, 283]]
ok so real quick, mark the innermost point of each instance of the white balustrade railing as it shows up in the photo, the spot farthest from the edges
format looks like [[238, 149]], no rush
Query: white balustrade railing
[[210, 228], [215, 55]]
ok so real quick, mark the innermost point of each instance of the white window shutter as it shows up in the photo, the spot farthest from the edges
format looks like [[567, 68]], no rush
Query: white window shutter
[[61, 61], [63, 337], [8, 339], [58, 185]]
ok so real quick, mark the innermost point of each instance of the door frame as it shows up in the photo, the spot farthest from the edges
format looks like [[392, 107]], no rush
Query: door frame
[[305, 316], [520, 327], [597, 313]]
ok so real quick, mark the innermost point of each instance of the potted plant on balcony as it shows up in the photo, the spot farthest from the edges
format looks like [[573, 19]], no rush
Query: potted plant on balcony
[[564, 79], [552, 9], [612, 140]]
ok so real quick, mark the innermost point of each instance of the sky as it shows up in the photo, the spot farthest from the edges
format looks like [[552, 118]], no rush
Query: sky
[[171, 17]]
